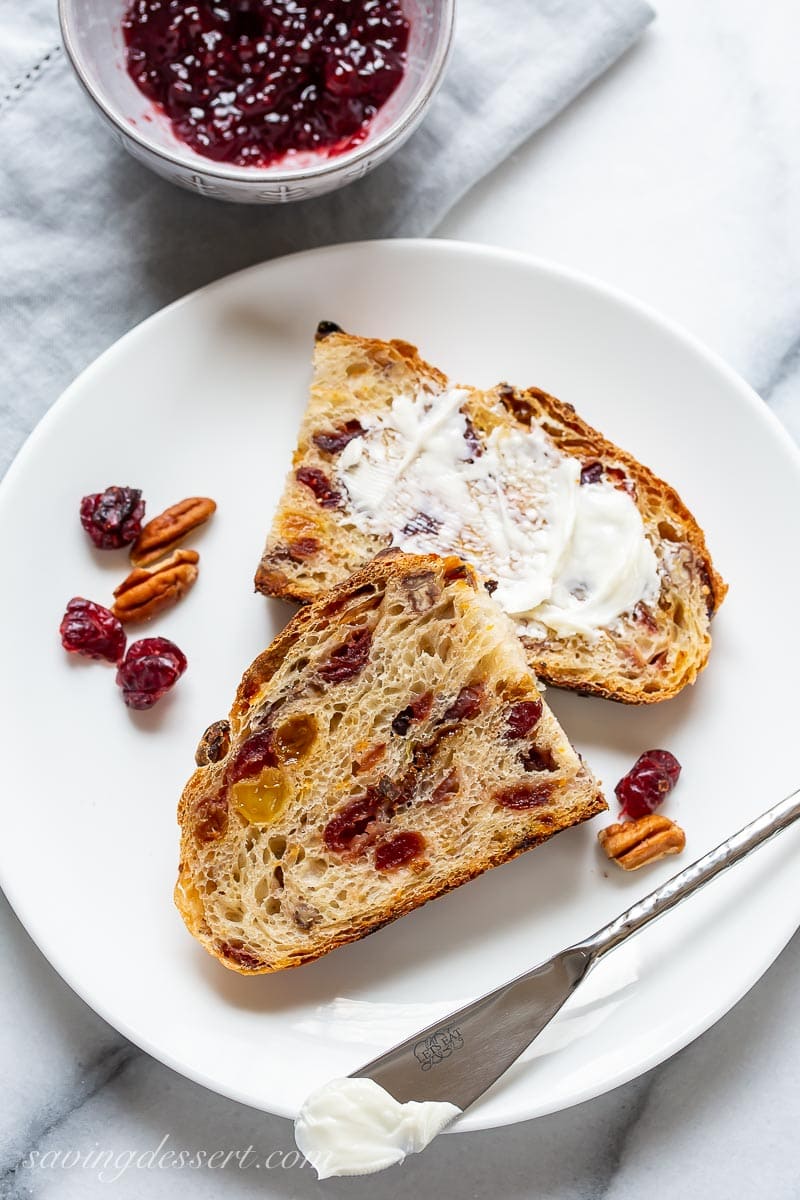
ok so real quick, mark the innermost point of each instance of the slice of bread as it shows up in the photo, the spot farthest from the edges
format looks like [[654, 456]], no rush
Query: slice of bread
[[647, 653], [390, 745]]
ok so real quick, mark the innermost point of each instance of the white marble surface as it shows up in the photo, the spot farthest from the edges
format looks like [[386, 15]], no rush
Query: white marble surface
[[678, 178]]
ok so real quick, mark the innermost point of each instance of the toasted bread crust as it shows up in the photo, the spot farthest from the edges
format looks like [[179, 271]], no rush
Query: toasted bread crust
[[213, 834], [308, 549]]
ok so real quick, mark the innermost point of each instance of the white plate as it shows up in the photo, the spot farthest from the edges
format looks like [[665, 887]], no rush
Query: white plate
[[204, 398]]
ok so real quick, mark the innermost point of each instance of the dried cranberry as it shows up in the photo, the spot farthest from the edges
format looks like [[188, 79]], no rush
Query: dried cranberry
[[399, 850], [467, 704], [348, 659], [240, 956], [150, 668], [524, 795], [417, 711], [333, 441], [303, 548], [320, 485], [351, 821], [447, 788], [421, 523], [252, 756], [113, 518], [649, 781], [621, 481], [472, 440], [88, 628], [645, 617], [521, 718], [592, 473]]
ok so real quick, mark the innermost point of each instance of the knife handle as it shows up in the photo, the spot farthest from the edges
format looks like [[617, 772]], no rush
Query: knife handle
[[694, 876]]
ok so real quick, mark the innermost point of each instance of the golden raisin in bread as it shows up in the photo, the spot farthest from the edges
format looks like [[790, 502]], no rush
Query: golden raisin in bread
[[390, 745], [600, 564]]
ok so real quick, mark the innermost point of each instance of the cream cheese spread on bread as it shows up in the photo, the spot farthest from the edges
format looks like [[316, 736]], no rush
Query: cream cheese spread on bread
[[566, 556], [354, 1127]]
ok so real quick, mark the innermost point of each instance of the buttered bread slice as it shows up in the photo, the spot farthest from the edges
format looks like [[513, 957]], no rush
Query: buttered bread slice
[[602, 567], [390, 745]]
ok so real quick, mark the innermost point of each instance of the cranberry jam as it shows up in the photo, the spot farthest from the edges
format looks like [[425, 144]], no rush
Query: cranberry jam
[[247, 82]]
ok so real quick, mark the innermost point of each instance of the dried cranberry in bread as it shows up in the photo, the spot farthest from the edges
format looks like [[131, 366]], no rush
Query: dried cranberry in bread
[[390, 745], [651, 631]]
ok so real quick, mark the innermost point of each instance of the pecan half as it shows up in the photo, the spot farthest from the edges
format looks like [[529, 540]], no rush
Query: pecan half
[[147, 591], [160, 536], [633, 844]]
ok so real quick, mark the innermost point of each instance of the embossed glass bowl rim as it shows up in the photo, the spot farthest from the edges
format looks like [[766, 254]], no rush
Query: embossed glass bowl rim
[[405, 120]]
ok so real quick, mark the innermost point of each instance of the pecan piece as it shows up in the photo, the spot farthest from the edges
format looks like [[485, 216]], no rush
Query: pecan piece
[[421, 589], [305, 915], [447, 788], [214, 744], [147, 591], [211, 817], [161, 535], [634, 843], [237, 954]]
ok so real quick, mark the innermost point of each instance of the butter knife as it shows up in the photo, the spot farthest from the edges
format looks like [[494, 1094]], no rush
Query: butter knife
[[462, 1055]]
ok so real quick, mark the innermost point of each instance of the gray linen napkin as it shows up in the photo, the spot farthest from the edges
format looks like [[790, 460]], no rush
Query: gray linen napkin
[[91, 242]]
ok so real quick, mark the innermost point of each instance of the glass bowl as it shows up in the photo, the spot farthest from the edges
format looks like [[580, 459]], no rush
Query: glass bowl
[[92, 33]]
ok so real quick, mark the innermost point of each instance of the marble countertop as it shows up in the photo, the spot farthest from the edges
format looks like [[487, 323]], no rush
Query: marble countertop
[[677, 178]]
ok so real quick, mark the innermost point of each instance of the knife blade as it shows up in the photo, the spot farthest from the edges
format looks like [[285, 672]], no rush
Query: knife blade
[[458, 1058]]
